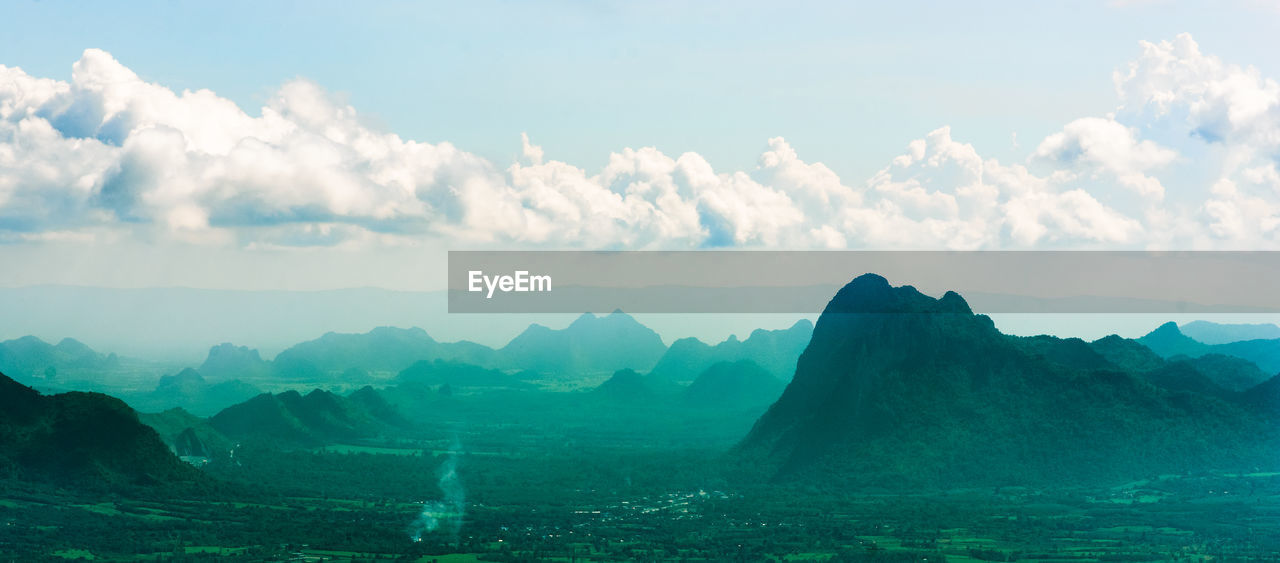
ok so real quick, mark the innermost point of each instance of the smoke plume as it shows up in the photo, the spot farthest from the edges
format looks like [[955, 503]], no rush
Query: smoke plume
[[450, 509]]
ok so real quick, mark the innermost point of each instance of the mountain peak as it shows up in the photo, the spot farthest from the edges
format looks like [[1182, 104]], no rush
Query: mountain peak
[[896, 386], [872, 293]]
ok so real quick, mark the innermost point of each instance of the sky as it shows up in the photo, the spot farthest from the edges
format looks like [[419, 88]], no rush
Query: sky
[[316, 145]]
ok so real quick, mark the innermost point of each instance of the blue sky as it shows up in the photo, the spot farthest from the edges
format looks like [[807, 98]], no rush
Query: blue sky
[[237, 144], [848, 84], [322, 145]]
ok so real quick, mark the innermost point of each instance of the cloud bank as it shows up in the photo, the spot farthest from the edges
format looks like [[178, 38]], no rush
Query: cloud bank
[[109, 155]]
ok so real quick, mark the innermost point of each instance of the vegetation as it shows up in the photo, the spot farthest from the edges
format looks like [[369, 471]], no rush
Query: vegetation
[[912, 431]]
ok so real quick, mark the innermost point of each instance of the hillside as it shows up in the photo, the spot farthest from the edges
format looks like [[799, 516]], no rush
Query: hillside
[[84, 438], [293, 419], [899, 389], [187, 434]]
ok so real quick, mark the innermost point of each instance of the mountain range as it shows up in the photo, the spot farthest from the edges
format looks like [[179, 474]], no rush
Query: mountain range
[[30, 358], [189, 390], [1168, 341], [590, 344], [1218, 333], [775, 351], [317, 418]]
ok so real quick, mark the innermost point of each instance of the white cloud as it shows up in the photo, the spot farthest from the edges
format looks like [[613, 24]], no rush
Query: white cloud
[[1095, 146], [108, 152]]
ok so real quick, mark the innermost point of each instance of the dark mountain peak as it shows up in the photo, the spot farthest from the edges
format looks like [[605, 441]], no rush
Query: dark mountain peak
[[951, 302], [896, 386], [82, 437], [871, 293], [1167, 329]]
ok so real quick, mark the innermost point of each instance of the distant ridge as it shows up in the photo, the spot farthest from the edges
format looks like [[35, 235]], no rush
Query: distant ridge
[[1217, 333], [775, 351], [1168, 341], [590, 344]]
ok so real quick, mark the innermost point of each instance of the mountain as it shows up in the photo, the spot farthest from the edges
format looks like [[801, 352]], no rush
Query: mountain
[[292, 419], [189, 390], [1227, 372], [899, 390], [626, 385], [455, 375], [372, 402], [29, 358], [86, 438], [187, 434], [590, 344], [1127, 354], [384, 349], [776, 351], [1217, 333], [1168, 341], [227, 361], [737, 384]]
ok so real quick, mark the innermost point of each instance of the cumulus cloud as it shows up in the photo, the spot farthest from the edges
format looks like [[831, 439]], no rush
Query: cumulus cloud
[[1095, 146], [110, 152]]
